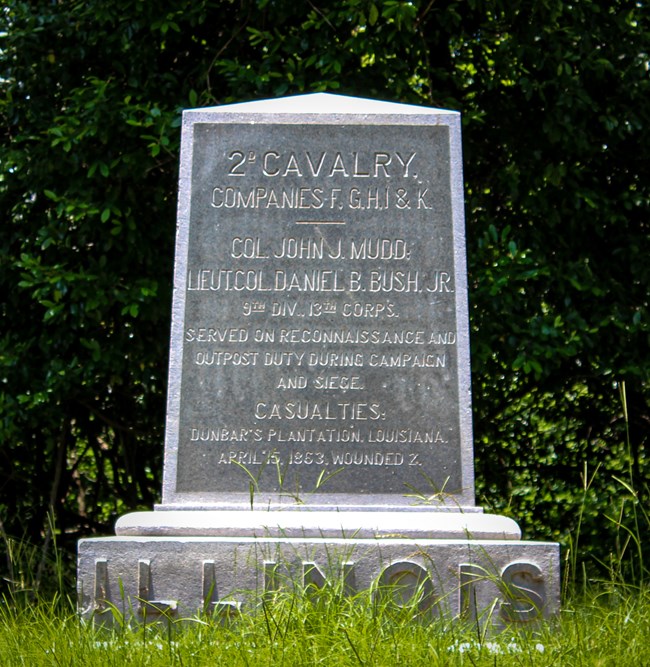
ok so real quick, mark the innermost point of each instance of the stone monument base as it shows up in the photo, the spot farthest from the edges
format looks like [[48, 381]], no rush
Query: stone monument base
[[180, 564]]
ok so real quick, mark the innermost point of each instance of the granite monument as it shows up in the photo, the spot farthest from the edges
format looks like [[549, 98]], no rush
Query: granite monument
[[319, 406]]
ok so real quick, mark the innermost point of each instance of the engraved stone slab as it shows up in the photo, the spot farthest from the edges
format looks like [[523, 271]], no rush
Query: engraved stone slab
[[319, 352]]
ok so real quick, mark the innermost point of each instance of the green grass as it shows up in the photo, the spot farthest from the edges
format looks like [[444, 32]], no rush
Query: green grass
[[601, 623], [605, 622], [610, 627]]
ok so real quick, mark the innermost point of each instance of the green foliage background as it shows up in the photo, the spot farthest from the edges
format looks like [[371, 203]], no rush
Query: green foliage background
[[555, 99]]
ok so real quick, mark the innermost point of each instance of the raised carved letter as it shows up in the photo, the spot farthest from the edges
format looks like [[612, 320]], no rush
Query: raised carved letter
[[405, 582], [524, 592]]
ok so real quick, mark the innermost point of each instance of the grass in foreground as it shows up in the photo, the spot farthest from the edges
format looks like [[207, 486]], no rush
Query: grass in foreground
[[611, 628]]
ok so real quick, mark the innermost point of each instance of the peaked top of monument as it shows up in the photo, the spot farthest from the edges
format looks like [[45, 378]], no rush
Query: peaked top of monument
[[325, 103]]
